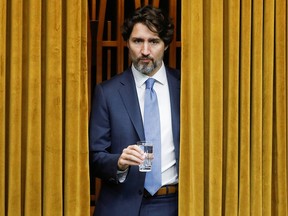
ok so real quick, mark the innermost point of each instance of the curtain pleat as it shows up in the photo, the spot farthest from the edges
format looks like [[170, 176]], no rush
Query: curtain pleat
[[31, 110], [53, 103], [281, 106], [44, 108], [215, 114], [256, 107], [191, 179], [231, 106], [234, 108], [14, 114], [244, 110], [3, 85], [75, 105], [268, 79]]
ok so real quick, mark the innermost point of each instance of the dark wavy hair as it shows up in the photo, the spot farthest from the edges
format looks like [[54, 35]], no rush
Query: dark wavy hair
[[154, 19]]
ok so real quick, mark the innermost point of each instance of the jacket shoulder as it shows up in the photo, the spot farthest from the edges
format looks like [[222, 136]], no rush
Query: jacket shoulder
[[173, 72], [118, 80]]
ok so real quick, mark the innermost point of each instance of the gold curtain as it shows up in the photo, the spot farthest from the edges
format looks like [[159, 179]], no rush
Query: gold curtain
[[43, 108], [234, 108]]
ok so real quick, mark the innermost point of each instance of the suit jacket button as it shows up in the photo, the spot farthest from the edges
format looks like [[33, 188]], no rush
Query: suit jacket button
[[140, 192]]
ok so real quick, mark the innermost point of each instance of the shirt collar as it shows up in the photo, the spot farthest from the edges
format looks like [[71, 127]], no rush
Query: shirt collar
[[159, 76]]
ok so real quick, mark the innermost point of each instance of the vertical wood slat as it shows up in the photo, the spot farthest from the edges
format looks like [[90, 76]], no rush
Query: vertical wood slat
[[100, 30], [109, 50], [94, 9], [137, 3], [120, 43], [156, 3], [172, 50]]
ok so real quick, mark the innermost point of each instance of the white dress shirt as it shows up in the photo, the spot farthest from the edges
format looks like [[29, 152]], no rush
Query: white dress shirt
[[168, 161]]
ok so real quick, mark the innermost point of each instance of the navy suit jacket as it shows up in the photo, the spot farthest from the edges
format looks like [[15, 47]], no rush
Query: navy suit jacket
[[115, 123]]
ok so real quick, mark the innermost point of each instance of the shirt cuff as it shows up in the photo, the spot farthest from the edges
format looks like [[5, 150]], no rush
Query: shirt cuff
[[121, 175]]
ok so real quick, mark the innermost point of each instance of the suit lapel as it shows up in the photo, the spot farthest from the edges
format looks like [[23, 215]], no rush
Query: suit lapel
[[128, 93], [129, 97]]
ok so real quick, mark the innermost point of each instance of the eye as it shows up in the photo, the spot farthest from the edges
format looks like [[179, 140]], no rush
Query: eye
[[137, 41], [154, 41]]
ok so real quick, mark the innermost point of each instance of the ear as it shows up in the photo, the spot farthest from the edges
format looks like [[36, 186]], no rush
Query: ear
[[127, 44]]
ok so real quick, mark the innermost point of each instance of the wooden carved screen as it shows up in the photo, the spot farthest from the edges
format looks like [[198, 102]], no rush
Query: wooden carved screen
[[108, 54]]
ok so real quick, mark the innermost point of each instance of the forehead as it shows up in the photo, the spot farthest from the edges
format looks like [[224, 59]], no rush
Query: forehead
[[142, 31]]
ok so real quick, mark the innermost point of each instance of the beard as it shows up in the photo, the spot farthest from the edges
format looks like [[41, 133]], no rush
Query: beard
[[146, 68]]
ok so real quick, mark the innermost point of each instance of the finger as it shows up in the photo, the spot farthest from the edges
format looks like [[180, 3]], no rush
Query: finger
[[131, 156], [135, 150]]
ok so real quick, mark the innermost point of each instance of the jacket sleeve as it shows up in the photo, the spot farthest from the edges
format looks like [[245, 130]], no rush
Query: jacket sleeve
[[103, 162]]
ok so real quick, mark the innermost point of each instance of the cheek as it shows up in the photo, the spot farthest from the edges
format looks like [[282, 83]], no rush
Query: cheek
[[133, 52], [158, 54], [132, 55]]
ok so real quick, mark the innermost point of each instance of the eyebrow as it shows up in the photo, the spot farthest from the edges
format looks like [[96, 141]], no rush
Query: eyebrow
[[149, 39]]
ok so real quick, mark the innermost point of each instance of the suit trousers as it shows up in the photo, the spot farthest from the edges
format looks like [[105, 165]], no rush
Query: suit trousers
[[166, 205]]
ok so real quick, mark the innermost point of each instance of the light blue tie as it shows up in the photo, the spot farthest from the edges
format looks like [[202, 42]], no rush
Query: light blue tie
[[153, 134]]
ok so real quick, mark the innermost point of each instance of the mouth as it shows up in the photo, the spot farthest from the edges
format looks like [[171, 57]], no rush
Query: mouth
[[145, 60]]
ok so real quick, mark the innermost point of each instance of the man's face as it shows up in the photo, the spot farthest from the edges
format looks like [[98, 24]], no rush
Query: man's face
[[146, 49]]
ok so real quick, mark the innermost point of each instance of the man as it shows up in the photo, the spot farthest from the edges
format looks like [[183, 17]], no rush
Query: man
[[117, 123]]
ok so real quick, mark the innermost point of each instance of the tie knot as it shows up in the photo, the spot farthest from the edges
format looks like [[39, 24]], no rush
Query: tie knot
[[149, 83]]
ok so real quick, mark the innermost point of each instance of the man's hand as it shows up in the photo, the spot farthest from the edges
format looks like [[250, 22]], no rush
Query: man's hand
[[132, 155]]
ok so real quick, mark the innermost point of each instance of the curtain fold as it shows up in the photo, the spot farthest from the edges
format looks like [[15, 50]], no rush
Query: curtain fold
[[44, 108], [3, 6], [244, 101], [191, 178], [234, 108], [280, 141], [31, 127]]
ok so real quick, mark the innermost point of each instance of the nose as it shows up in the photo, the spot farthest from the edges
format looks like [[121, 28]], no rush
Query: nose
[[145, 49]]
